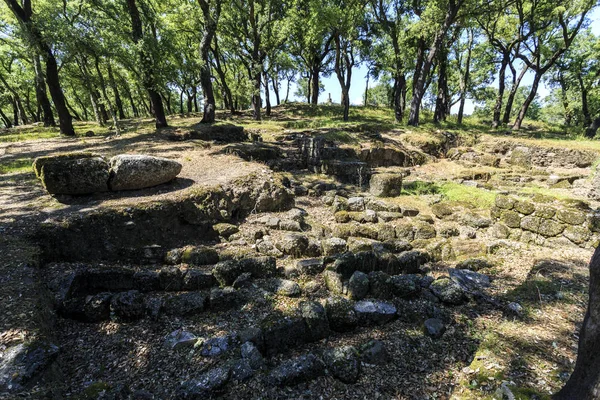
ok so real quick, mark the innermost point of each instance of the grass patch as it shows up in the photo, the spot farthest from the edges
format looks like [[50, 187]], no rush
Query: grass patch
[[475, 197], [16, 166]]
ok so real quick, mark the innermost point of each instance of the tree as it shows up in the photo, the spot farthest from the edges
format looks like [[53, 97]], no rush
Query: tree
[[147, 64], [211, 11], [24, 15]]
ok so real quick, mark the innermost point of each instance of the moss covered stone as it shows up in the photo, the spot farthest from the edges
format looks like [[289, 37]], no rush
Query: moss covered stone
[[571, 217], [577, 234], [69, 175], [504, 202], [524, 207], [544, 211], [442, 210], [531, 224], [511, 219], [549, 228], [341, 217], [424, 230]]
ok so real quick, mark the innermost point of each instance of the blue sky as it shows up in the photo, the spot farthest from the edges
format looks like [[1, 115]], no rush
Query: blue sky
[[357, 87]]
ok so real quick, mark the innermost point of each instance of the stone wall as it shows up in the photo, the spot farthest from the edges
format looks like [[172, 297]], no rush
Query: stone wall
[[545, 224]]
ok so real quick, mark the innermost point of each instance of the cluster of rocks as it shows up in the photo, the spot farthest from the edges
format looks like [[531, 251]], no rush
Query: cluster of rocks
[[544, 224], [86, 173]]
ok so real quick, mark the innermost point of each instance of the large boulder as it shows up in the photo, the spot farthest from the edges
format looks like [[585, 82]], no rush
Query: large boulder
[[133, 171], [385, 185], [75, 173]]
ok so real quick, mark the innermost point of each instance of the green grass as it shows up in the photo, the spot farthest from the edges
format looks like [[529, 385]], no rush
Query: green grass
[[475, 197], [16, 166]]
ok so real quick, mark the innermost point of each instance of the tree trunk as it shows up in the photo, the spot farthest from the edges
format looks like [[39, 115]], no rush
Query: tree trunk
[[5, 119], [314, 91], [287, 91], [528, 101], [501, 89], [465, 80], [15, 112], [73, 111], [513, 92], [344, 61], [590, 132], [587, 117], [275, 82], [80, 104], [134, 109], [106, 99], [147, 67], [366, 100], [267, 95], [41, 95], [584, 383], [222, 77], [422, 74], [441, 101], [115, 89], [210, 27], [565, 100]]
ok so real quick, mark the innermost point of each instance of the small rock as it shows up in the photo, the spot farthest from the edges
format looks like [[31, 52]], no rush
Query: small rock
[[241, 370], [171, 279], [216, 346], [374, 352], [358, 286], [251, 354], [285, 287], [448, 291], [341, 314], [226, 272], [208, 383], [469, 280], [223, 299], [127, 306], [296, 370], [185, 304], [516, 308], [356, 204], [374, 312], [434, 327], [242, 281], [198, 279], [179, 339], [343, 363], [334, 245]]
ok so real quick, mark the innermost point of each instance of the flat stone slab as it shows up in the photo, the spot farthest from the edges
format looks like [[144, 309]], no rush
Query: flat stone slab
[[133, 171]]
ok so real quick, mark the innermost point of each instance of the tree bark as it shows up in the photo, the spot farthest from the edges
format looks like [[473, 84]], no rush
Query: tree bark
[[585, 109], [590, 132], [275, 82], [441, 101], [422, 74], [314, 80], [106, 99], [210, 27], [23, 15], [267, 95], [41, 94], [344, 61], [513, 92], [584, 383], [5, 119], [465, 80], [147, 67], [534, 88], [134, 109], [115, 89], [501, 89]]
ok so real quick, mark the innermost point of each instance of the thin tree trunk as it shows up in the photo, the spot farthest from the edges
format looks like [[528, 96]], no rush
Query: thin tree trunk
[[287, 91], [5, 119], [106, 99], [422, 74], [441, 102], [267, 95], [314, 98], [366, 100], [590, 132], [585, 110], [513, 92], [134, 109], [210, 27], [465, 80], [534, 87], [584, 382], [41, 95], [275, 81], [115, 89], [195, 97], [501, 89], [565, 100], [80, 103], [147, 67], [74, 112]]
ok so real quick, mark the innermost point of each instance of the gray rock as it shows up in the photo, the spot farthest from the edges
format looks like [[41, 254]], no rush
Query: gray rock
[[77, 173], [385, 185], [198, 279], [296, 370], [224, 299], [434, 327], [293, 244], [241, 370], [297, 214], [225, 230], [185, 304], [515, 308], [94, 308], [21, 364], [146, 281], [127, 306], [340, 204], [356, 204], [285, 287], [411, 261], [469, 280], [374, 312], [252, 355], [381, 285], [333, 281], [259, 267], [131, 172], [343, 363], [226, 272], [374, 352], [448, 291], [290, 225], [334, 245], [340, 314], [358, 286], [216, 346], [171, 279], [199, 255], [180, 339], [208, 383], [242, 281], [406, 285], [281, 332], [315, 317], [310, 267], [474, 264]]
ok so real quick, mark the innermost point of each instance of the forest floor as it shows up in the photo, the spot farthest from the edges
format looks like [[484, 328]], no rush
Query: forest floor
[[484, 348]]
